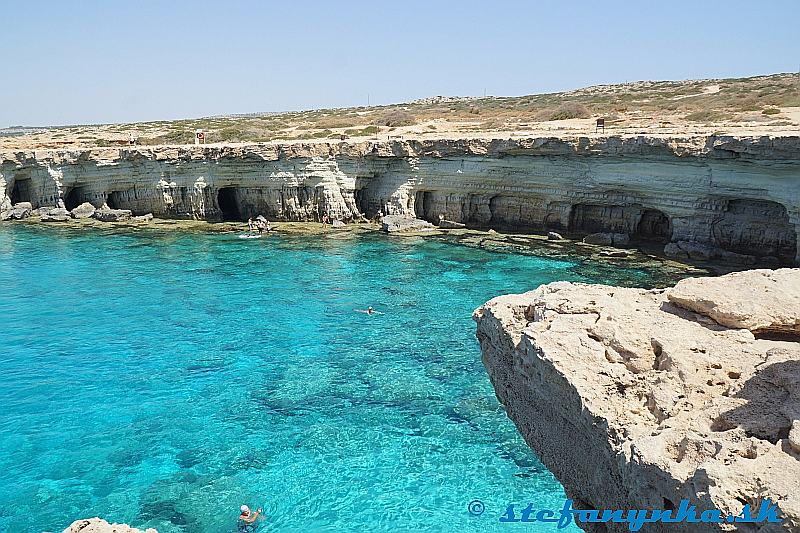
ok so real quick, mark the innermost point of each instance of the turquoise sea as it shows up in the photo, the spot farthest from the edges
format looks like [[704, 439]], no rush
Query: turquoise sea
[[162, 380]]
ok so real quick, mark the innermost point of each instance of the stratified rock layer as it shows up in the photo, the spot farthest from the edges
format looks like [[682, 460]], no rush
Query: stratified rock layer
[[98, 525], [733, 198], [634, 401]]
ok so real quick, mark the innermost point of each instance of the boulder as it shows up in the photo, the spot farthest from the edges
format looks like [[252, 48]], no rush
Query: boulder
[[20, 211], [449, 224], [403, 224], [112, 215], [55, 214], [634, 402], [85, 210], [337, 224], [758, 300], [98, 525], [607, 239], [143, 218], [553, 236]]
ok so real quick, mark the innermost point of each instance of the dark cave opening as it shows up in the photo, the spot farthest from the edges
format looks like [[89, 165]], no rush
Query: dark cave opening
[[112, 201], [74, 198], [229, 204], [21, 191], [654, 226]]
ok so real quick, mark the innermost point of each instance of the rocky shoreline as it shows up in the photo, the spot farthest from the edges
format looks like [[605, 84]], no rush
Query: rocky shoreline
[[638, 399], [723, 198]]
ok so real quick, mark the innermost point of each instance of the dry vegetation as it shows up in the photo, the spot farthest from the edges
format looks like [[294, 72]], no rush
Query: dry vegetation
[[641, 107]]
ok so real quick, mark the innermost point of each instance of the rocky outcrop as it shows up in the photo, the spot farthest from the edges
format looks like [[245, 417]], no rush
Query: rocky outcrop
[[54, 214], [638, 399], [404, 224], [98, 525], [732, 194], [610, 239], [85, 210], [113, 215]]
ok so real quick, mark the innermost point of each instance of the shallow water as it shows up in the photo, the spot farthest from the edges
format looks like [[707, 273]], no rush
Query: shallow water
[[164, 379]]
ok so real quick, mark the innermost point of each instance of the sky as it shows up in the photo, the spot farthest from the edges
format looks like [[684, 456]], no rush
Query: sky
[[86, 62]]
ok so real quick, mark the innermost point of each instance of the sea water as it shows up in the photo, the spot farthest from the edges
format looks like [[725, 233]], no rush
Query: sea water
[[164, 379]]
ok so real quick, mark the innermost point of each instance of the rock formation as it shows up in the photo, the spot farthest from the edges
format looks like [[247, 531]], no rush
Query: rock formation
[[737, 196], [638, 399], [98, 525]]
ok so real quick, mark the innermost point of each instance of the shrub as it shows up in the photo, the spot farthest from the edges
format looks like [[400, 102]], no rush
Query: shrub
[[565, 111], [771, 111], [397, 118], [702, 116]]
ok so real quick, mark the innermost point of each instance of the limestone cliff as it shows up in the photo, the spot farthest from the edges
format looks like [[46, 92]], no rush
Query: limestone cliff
[[738, 195], [638, 399]]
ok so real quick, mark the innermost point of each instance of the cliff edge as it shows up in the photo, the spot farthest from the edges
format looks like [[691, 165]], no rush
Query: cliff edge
[[700, 197], [638, 399]]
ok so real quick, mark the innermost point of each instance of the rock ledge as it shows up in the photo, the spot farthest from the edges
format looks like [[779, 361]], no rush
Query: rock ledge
[[641, 398]]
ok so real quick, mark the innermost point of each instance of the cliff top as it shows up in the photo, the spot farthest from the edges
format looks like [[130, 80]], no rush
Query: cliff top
[[756, 106], [682, 393]]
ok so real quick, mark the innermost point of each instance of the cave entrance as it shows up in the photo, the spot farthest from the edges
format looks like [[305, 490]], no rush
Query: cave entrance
[[112, 200], [654, 226], [21, 191], [757, 227], [74, 198], [423, 204], [229, 204]]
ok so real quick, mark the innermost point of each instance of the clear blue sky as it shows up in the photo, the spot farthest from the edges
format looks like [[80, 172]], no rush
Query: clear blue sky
[[120, 61]]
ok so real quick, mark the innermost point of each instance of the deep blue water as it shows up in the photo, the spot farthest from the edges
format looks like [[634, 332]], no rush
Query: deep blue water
[[164, 379]]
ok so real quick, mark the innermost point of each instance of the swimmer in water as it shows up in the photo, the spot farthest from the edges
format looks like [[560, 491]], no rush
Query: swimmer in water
[[369, 311], [248, 517]]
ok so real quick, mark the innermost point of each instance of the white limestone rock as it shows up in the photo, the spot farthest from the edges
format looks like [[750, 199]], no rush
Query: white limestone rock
[[98, 525], [634, 402], [404, 224], [758, 300], [55, 214], [85, 210]]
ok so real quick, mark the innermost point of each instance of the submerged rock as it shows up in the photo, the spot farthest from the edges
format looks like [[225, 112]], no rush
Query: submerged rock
[[85, 210], [98, 525], [400, 224], [112, 215], [634, 401]]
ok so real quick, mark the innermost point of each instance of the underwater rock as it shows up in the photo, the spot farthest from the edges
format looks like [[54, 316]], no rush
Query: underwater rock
[[98, 525], [635, 402]]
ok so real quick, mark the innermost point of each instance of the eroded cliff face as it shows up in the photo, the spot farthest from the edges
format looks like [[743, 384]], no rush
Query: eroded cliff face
[[741, 195], [638, 399]]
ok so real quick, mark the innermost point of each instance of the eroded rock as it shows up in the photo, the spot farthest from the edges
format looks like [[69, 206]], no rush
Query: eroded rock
[[608, 239], [112, 215], [55, 214], [759, 300], [403, 224], [98, 525], [85, 210], [634, 402]]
